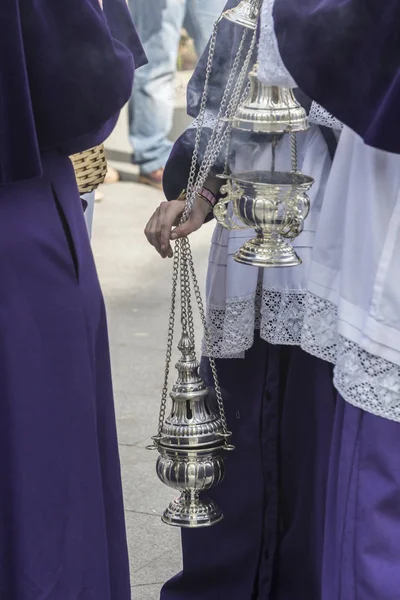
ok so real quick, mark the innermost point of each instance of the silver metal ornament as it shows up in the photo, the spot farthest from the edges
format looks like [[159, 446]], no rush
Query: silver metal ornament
[[267, 201], [245, 14], [191, 446], [269, 109]]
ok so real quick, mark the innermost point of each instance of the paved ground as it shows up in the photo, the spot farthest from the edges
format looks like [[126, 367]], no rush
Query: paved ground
[[136, 283]]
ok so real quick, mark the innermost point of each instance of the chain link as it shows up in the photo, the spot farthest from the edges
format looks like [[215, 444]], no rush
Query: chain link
[[227, 107], [293, 148], [170, 341], [199, 300], [201, 116], [221, 131], [187, 288]]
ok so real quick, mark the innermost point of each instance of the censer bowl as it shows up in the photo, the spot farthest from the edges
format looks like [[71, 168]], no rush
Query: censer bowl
[[191, 473], [269, 201]]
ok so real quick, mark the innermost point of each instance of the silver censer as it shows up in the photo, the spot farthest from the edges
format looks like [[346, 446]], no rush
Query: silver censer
[[274, 204], [191, 446]]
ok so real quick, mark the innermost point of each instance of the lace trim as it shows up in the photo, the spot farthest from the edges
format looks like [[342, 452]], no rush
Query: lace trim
[[278, 314], [363, 379], [282, 315], [320, 116], [297, 317], [272, 70], [318, 336], [231, 329], [367, 381]]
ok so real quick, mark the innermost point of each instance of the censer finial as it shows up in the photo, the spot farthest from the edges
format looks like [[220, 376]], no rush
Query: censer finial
[[246, 14], [191, 446], [269, 109]]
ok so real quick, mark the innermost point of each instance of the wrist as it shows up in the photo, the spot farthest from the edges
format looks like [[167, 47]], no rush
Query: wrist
[[203, 205], [208, 196]]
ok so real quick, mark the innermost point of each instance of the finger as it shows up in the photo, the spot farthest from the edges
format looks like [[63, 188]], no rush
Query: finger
[[151, 230], [168, 216], [193, 224], [150, 226]]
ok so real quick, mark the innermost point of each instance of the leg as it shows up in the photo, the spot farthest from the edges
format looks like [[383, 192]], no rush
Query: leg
[[89, 199], [152, 102], [200, 18]]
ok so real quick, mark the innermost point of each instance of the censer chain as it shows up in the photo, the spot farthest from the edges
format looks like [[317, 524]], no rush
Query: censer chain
[[218, 138], [187, 319], [170, 341], [183, 265], [202, 112], [218, 393], [293, 147], [203, 106]]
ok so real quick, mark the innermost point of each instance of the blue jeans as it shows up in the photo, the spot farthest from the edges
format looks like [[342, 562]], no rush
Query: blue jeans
[[89, 198], [159, 24]]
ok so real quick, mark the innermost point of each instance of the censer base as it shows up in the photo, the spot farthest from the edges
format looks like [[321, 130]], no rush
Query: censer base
[[187, 513], [267, 252]]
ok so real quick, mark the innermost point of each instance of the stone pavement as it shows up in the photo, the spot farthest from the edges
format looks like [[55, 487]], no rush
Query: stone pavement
[[136, 284]]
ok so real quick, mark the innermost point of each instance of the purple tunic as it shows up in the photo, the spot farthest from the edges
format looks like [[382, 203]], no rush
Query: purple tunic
[[62, 532]]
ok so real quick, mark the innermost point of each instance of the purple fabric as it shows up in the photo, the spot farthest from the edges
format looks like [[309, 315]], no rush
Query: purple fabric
[[57, 59], [345, 55], [362, 537], [280, 405], [62, 532]]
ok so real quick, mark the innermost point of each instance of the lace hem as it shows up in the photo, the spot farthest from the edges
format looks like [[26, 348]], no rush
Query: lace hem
[[298, 318], [278, 314], [367, 381], [318, 336]]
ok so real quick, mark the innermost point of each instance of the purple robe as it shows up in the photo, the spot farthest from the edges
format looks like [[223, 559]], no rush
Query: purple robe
[[345, 55], [65, 72]]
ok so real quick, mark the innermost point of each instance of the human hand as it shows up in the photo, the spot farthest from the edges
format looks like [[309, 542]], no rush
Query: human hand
[[159, 230]]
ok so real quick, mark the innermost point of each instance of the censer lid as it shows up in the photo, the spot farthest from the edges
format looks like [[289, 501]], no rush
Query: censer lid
[[269, 109], [193, 422], [245, 14]]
